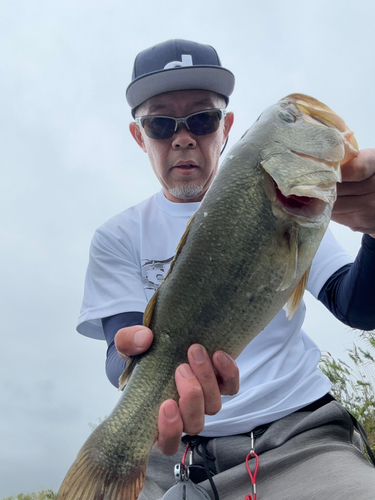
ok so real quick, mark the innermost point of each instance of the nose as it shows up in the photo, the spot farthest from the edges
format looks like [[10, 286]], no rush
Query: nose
[[183, 138]]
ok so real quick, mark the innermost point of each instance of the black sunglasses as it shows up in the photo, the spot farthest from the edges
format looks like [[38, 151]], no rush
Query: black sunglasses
[[164, 127]]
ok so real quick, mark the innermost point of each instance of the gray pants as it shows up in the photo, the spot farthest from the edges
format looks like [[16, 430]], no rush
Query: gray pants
[[304, 456]]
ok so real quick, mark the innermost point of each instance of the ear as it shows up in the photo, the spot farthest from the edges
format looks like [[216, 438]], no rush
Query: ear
[[137, 135], [228, 122]]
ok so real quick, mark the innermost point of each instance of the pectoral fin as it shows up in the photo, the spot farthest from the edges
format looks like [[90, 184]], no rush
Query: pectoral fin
[[291, 269], [291, 272], [296, 297]]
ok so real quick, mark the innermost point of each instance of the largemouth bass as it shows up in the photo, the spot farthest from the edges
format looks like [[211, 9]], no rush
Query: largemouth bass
[[260, 223]]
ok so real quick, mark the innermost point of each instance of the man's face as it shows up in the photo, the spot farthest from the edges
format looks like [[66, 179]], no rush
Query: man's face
[[185, 164]]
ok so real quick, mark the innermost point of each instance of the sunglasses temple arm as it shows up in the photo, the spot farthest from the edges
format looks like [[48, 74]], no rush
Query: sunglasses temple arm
[[225, 145]]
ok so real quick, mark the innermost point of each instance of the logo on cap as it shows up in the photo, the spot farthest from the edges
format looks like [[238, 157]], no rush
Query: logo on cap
[[186, 60]]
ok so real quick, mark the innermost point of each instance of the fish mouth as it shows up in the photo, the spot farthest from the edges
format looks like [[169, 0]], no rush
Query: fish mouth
[[301, 206]]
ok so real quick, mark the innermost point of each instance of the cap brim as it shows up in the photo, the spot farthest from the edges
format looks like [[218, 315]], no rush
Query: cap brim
[[211, 78]]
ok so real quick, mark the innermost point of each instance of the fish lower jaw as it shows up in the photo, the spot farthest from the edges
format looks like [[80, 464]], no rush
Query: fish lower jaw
[[309, 203], [304, 202], [304, 209]]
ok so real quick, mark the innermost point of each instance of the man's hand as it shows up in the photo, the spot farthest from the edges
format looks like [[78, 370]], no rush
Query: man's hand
[[355, 205], [200, 385]]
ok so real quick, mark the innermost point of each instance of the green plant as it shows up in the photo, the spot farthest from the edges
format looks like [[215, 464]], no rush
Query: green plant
[[40, 495], [354, 387]]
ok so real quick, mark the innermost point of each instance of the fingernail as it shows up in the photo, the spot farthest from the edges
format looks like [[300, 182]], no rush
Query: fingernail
[[170, 411], [222, 358], [185, 371], [140, 338], [198, 353]]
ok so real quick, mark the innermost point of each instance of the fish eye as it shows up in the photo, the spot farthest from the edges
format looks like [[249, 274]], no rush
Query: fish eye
[[286, 116]]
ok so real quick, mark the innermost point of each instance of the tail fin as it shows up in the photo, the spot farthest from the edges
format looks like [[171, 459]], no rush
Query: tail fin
[[87, 480]]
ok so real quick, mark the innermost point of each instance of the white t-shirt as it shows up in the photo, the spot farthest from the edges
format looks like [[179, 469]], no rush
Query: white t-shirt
[[129, 257]]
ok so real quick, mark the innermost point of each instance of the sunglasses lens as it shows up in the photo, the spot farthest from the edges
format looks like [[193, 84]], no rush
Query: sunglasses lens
[[159, 127], [204, 123], [163, 127]]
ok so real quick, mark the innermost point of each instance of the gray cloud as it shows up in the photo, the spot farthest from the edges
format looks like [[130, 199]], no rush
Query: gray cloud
[[68, 163]]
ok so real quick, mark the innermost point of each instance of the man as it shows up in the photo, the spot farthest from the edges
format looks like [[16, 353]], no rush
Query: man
[[178, 94]]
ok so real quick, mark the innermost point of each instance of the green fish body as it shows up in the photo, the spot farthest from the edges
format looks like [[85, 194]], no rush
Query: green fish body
[[246, 253]]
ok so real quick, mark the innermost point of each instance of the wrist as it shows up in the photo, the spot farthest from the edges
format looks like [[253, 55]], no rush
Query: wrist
[[368, 241]]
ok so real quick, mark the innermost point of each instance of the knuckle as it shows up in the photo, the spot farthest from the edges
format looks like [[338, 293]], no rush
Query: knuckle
[[232, 375], [232, 391], [206, 376], [194, 391], [214, 408], [189, 389], [168, 446], [231, 386], [194, 428]]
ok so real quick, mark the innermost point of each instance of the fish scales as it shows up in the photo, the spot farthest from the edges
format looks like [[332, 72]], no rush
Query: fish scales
[[245, 254]]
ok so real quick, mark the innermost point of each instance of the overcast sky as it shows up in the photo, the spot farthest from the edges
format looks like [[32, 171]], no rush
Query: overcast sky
[[68, 163]]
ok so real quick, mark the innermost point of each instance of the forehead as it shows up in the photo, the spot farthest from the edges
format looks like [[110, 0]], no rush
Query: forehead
[[181, 101]]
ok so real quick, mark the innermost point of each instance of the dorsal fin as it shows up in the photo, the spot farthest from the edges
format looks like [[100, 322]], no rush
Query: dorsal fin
[[296, 297], [130, 365], [182, 240], [149, 312]]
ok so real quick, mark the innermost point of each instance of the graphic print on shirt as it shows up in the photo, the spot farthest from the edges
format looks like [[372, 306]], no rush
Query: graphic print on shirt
[[154, 271]]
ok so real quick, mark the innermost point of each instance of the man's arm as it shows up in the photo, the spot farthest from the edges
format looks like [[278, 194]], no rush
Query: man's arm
[[115, 365], [349, 292]]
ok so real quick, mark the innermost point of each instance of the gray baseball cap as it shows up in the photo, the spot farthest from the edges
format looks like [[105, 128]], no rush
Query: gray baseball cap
[[177, 65]]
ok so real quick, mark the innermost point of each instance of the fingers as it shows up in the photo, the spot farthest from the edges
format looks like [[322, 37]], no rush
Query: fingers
[[194, 391], [360, 168], [355, 204], [133, 340], [170, 427], [191, 402], [358, 221], [201, 383], [228, 376], [203, 370]]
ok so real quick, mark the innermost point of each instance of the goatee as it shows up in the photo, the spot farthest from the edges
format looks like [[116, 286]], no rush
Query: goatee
[[186, 191]]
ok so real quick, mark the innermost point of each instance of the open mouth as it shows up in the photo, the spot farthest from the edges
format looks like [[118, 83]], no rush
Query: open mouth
[[293, 202], [304, 206]]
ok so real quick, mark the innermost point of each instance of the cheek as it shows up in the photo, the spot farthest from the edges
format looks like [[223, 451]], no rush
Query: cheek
[[156, 155], [214, 149], [219, 140]]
